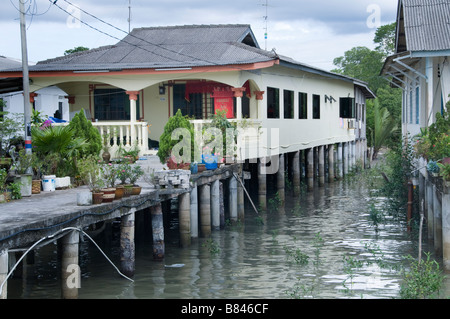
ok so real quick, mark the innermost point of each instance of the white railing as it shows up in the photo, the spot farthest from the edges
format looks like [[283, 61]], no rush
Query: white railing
[[248, 137], [124, 136]]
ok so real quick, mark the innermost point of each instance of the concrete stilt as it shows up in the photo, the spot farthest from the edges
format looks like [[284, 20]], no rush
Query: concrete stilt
[[222, 206], [205, 210], [233, 200], [184, 216], [310, 168], [281, 181], [437, 222], [345, 158], [241, 200], [3, 273], [194, 212], [446, 229], [321, 160], [262, 187], [339, 162], [296, 173], [70, 270], [430, 213], [215, 205], [158, 232], [127, 245], [331, 163]]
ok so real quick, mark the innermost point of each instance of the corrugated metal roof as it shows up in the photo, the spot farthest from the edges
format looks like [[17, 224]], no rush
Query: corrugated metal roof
[[168, 47], [427, 24]]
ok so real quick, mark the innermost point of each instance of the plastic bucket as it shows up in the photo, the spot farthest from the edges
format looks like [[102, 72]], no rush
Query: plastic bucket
[[48, 183]]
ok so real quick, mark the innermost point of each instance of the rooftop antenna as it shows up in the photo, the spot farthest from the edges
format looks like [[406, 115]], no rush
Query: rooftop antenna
[[129, 16], [266, 17]]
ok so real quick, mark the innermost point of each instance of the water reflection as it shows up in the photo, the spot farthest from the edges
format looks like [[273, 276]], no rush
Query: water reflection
[[305, 251]]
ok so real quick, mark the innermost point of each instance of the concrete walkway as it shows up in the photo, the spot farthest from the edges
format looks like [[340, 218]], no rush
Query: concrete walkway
[[23, 221]]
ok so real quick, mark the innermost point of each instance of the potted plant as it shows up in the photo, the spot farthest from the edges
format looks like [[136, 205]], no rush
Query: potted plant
[[106, 146], [23, 168], [37, 171], [109, 175], [166, 144], [90, 172], [444, 172], [135, 173], [433, 168], [123, 174]]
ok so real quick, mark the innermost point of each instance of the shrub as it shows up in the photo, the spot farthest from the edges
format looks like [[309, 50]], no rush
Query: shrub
[[83, 128]]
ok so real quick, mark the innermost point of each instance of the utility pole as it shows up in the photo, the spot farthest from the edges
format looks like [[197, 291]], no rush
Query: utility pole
[[26, 80], [129, 16]]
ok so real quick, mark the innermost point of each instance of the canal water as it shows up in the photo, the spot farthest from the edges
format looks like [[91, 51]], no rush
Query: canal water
[[323, 245]]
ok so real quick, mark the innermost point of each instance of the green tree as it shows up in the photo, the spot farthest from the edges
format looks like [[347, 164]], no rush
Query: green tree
[[83, 129], [75, 50], [384, 126], [365, 64]]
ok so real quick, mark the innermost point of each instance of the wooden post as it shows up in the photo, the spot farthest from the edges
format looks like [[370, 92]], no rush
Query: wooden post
[[184, 216], [296, 173], [446, 228], [321, 161], [194, 212], [262, 187], [127, 245], [331, 163], [232, 200], [70, 271], [310, 168], [215, 205], [437, 221], [3, 273], [205, 210], [158, 232], [430, 213], [281, 181]]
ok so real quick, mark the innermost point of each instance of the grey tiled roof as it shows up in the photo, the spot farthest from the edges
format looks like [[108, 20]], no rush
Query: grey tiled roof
[[427, 24], [168, 47]]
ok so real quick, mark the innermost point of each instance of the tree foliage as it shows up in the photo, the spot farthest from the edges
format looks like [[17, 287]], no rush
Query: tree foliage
[[365, 64], [83, 129], [75, 50]]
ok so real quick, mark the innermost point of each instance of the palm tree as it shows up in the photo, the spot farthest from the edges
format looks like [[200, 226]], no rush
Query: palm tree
[[384, 126]]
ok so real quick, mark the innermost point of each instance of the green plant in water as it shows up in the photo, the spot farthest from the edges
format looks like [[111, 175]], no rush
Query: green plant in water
[[350, 265], [275, 202], [376, 216], [297, 255], [212, 246], [423, 280]]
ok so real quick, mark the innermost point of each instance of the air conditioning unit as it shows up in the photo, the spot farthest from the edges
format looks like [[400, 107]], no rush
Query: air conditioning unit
[[351, 124]]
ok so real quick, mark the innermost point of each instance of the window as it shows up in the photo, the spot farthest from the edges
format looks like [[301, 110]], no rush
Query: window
[[347, 107], [288, 104], [113, 105], [273, 103], [316, 106], [302, 106]]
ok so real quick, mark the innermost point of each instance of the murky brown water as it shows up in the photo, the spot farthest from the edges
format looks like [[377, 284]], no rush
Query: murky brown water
[[298, 253]]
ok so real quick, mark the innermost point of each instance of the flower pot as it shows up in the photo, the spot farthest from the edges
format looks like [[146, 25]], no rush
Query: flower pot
[[48, 183], [84, 199], [2, 198], [108, 194], [25, 184], [106, 157], [119, 192], [194, 168], [128, 189], [97, 198], [62, 182], [36, 186], [201, 168], [210, 161], [136, 190]]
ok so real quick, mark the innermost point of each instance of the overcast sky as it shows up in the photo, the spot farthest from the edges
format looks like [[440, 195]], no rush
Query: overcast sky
[[310, 31]]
